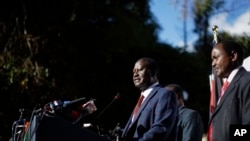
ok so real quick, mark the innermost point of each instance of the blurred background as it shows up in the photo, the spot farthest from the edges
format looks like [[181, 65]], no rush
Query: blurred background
[[51, 49]]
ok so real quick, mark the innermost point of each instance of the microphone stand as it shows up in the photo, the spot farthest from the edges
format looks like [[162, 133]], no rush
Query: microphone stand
[[114, 99]]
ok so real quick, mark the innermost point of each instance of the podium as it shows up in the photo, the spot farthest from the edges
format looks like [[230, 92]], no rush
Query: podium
[[58, 129]]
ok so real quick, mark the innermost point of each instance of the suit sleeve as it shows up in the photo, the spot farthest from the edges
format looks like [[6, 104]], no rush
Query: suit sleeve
[[246, 103], [192, 127]]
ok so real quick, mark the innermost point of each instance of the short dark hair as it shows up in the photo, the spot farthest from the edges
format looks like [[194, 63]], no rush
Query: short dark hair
[[231, 46], [153, 66], [177, 89]]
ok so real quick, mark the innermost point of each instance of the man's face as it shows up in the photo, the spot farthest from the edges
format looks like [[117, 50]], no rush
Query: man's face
[[141, 75], [221, 61]]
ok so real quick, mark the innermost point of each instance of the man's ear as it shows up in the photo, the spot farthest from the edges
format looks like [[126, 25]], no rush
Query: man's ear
[[234, 56], [151, 73]]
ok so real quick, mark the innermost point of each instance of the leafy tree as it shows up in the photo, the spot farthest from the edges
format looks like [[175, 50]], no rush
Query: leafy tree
[[52, 49], [203, 10]]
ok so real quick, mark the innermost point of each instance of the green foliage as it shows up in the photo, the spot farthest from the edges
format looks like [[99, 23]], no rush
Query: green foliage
[[203, 10], [242, 39], [25, 82], [19, 66]]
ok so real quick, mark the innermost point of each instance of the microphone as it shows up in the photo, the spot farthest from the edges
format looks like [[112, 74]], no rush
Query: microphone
[[73, 103], [117, 96], [114, 99], [59, 104]]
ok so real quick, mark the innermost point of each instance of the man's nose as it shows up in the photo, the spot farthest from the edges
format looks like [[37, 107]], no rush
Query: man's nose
[[213, 63], [135, 73]]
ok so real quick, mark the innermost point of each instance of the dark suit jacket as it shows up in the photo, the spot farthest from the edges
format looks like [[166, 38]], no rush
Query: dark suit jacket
[[234, 107], [190, 125], [156, 119]]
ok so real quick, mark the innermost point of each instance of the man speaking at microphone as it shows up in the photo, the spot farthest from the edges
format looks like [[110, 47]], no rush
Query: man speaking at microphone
[[155, 115]]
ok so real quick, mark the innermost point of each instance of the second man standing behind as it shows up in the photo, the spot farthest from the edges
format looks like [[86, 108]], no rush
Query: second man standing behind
[[190, 124]]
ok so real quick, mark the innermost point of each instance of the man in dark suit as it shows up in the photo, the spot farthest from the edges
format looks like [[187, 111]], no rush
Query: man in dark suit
[[190, 125], [233, 106], [156, 118]]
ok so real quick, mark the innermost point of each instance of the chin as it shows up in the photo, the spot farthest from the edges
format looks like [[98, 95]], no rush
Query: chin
[[136, 84], [220, 75]]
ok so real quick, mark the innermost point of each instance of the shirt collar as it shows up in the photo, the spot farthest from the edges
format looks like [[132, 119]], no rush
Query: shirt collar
[[146, 92], [231, 75]]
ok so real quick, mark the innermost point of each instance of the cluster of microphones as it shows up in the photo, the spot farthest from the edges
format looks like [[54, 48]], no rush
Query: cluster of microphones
[[77, 109], [74, 111]]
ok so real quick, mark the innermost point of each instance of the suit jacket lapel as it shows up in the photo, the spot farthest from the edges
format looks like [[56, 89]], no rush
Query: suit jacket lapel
[[228, 91], [130, 123], [127, 127], [145, 102]]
